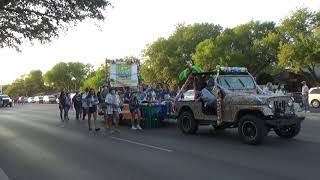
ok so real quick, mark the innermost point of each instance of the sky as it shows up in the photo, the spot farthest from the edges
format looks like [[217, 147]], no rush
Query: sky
[[132, 24]]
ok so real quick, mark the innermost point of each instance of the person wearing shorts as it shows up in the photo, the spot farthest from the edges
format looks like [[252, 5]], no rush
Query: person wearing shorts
[[108, 110], [84, 103], [116, 110], [135, 111], [92, 102]]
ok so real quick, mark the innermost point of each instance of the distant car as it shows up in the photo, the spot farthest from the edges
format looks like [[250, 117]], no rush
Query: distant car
[[38, 99], [5, 101], [31, 100], [314, 97], [51, 99]]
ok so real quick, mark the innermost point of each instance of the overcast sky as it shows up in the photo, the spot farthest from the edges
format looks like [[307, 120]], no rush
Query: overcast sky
[[132, 24]]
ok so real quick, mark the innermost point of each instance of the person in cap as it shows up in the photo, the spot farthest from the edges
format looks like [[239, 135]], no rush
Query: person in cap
[[305, 94]]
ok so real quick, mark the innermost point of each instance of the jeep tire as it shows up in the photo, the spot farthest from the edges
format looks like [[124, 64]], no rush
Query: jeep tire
[[187, 123], [252, 129], [288, 132]]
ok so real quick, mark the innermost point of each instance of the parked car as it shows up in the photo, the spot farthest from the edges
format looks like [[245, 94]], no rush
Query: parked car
[[5, 100], [38, 99], [50, 99], [314, 97], [31, 100]]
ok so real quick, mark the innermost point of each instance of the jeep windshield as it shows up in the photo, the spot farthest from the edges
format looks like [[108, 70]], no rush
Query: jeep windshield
[[237, 82]]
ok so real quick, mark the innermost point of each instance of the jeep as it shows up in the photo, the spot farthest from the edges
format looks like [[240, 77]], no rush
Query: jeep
[[239, 103]]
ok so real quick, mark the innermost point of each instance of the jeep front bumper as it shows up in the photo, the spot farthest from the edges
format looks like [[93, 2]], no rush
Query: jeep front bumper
[[283, 121]]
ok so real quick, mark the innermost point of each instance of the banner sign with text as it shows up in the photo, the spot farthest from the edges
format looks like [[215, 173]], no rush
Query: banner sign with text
[[123, 75]]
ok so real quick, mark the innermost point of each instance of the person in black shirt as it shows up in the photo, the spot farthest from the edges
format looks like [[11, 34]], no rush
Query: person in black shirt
[[77, 103]]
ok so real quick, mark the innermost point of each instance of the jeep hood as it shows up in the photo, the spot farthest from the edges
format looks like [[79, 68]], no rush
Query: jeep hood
[[249, 99]]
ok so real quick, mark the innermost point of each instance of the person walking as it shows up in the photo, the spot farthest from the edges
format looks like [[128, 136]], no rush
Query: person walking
[[92, 102], [135, 111], [84, 103], [108, 109], [61, 99], [77, 104], [67, 104], [116, 102], [305, 98]]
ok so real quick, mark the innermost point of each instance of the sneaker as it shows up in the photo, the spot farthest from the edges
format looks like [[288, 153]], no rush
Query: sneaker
[[139, 127], [133, 128], [97, 129], [308, 111]]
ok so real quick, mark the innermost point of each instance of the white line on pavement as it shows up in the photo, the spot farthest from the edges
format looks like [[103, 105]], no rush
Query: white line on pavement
[[3, 175], [141, 144]]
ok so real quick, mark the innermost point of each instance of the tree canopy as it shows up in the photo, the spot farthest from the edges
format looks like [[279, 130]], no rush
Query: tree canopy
[[165, 58], [42, 20], [300, 46], [64, 76], [252, 45]]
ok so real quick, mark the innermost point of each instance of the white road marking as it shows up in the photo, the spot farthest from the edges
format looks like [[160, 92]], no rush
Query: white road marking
[[141, 144], [3, 175]]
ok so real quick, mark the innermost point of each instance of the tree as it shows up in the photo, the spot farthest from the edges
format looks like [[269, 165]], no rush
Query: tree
[[42, 20], [300, 47], [33, 83], [165, 58], [94, 80], [16, 88], [252, 45], [61, 75]]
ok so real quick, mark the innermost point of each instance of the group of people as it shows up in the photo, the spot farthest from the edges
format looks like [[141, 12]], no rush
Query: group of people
[[109, 103], [88, 104], [280, 90]]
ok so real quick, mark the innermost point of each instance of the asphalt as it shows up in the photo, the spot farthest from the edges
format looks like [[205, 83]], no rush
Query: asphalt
[[34, 147]]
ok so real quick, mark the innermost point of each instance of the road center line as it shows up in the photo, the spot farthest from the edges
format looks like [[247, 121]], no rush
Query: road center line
[[3, 175], [141, 144]]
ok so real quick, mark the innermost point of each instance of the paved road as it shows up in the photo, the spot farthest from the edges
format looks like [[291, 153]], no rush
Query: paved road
[[33, 147]]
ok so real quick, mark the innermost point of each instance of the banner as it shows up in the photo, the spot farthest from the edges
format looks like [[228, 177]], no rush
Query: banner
[[123, 75]]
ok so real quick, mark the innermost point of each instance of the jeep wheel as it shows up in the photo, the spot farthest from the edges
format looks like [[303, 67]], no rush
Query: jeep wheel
[[288, 132], [252, 129], [315, 103], [187, 123]]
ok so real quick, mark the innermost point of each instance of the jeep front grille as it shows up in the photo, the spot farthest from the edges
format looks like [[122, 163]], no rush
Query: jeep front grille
[[280, 107]]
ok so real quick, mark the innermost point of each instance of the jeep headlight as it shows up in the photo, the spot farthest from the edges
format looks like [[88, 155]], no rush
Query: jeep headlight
[[270, 104], [290, 103]]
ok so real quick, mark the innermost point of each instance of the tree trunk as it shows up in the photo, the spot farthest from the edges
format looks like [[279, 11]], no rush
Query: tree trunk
[[314, 76]]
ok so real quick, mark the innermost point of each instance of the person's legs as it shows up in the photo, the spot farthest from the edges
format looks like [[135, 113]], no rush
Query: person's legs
[[110, 116], [116, 120], [61, 113], [106, 121], [133, 117], [94, 121], [84, 113], [138, 119], [89, 121], [77, 109], [66, 113]]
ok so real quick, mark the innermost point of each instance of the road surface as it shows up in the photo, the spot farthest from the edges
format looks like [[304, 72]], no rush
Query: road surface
[[34, 147]]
